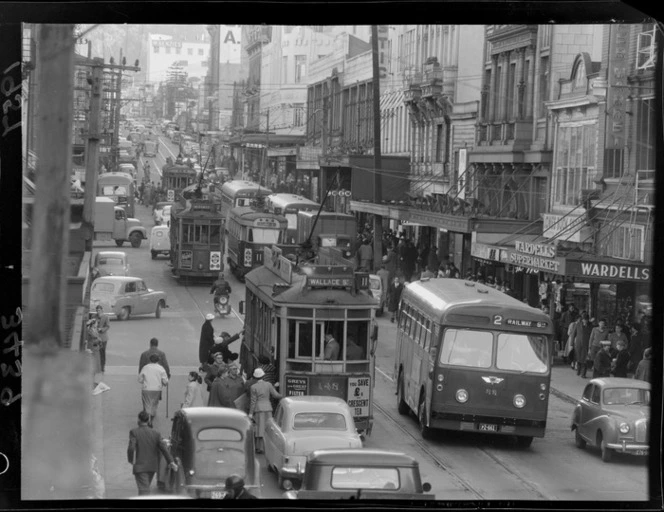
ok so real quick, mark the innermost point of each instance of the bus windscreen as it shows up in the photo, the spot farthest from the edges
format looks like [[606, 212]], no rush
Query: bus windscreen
[[522, 352]]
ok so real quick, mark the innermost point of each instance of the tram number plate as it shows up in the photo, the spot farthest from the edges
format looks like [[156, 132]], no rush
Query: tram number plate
[[486, 427], [218, 495], [641, 452]]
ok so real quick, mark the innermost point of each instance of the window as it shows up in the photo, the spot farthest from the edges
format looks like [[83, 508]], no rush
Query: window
[[587, 393], [440, 142], [319, 421], [613, 163], [178, 50], [140, 287], [130, 287], [298, 114], [544, 85], [626, 396], [365, 478], [595, 395], [103, 287], [464, 347], [220, 434], [201, 51], [522, 353], [511, 85], [300, 67], [204, 63], [264, 236], [575, 162], [284, 69], [190, 51], [624, 242], [645, 135]]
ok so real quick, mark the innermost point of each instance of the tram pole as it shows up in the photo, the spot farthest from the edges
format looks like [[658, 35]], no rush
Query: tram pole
[[377, 182]]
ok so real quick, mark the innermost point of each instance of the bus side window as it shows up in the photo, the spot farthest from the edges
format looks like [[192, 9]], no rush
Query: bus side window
[[417, 327], [427, 334]]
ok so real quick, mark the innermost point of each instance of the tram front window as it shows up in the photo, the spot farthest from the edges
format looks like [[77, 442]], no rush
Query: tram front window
[[264, 236]]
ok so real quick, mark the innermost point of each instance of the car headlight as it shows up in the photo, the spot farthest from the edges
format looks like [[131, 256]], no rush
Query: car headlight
[[519, 401], [624, 428], [462, 396]]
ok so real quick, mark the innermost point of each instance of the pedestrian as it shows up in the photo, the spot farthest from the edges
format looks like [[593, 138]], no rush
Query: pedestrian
[[395, 296], [620, 363], [384, 276], [332, 348], [566, 319], [260, 408], [409, 260], [145, 357], [453, 271], [365, 255], [580, 338], [617, 336], [427, 274], [353, 351], [103, 325], [602, 361], [569, 350], [235, 490], [192, 395], [206, 340], [221, 345], [145, 443], [153, 377], [598, 334], [644, 367], [212, 370], [227, 388], [432, 260], [390, 262], [271, 373], [92, 347]]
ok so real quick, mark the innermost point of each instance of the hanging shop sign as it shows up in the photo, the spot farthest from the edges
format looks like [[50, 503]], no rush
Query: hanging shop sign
[[488, 252], [600, 271], [570, 228], [544, 250], [455, 223], [553, 265]]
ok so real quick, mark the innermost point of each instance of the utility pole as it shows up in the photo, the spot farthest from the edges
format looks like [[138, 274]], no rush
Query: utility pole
[[92, 152], [267, 147], [377, 185], [323, 183], [57, 383]]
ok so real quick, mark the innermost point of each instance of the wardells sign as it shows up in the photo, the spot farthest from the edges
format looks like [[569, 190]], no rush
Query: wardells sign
[[538, 256], [602, 271]]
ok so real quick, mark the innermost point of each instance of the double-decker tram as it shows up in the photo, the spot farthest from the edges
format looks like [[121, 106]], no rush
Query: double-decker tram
[[469, 357], [248, 231], [196, 239], [288, 205], [289, 312], [177, 176], [240, 193]]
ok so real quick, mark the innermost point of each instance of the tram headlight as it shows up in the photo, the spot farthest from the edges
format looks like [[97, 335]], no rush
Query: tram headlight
[[519, 401], [462, 396], [624, 428]]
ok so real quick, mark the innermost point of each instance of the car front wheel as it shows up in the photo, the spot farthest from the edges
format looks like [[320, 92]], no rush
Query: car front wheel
[[160, 305], [607, 453], [135, 240], [124, 313]]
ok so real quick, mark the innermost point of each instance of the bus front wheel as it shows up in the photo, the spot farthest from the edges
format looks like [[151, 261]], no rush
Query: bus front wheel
[[427, 432]]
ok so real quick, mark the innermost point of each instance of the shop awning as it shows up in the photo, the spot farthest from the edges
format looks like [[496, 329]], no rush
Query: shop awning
[[263, 139]]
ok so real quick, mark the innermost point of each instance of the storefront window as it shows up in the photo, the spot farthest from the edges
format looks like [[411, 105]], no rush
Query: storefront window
[[606, 302]]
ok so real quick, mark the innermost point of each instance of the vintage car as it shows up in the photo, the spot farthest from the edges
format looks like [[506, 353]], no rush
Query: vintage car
[[160, 241], [157, 213], [110, 263], [210, 444], [361, 474], [613, 414], [302, 424], [377, 292], [125, 296]]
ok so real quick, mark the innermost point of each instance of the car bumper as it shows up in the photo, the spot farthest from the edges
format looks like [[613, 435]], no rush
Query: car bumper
[[294, 469], [627, 447]]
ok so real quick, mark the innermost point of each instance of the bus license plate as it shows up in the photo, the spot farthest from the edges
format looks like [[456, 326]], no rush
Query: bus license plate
[[488, 427], [218, 495]]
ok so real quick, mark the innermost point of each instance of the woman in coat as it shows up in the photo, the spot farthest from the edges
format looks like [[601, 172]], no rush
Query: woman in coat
[[260, 408], [396, 287], [192, 395], [621, 361], [207, 340], [580, 337]]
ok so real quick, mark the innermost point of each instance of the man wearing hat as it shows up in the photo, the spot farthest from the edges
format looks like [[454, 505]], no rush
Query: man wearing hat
[[214, 369], [260, 408], [227, 388], [103, 325], [221, 345], [602, 363], [331, 348], [207, 340]]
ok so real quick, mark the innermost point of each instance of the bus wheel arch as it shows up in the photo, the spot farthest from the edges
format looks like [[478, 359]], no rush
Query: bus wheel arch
[[402, 405], [425, 430]]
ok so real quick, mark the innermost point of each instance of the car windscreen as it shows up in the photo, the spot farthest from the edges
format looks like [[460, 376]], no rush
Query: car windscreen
[[103, 287], [111, 261], [466, 347], [365, 478], [522, 352], [626, 396], [319, 420]]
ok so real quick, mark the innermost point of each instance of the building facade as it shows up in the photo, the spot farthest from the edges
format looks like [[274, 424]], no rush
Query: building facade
[[165, 51]]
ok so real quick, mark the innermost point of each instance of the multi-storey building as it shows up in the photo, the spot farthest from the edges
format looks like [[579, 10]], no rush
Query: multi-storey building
[[165, 51]]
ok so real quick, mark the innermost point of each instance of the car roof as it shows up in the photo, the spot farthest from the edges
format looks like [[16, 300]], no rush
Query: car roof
[[200, 417], [620, 382], [117, 279], [305, 403], [112, 254], [362, 456]]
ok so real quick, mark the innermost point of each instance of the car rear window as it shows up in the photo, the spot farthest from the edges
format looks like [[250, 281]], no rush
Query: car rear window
[[103, 287], [219, 434], [319, 420], [110, 261], [365, 478]]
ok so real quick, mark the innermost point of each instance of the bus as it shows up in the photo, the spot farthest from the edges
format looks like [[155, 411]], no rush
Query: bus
[[248, 231], [119, 186], [469, 357], [240, 193], [196, 239], [288, 205], [175, 177], [289, 309]]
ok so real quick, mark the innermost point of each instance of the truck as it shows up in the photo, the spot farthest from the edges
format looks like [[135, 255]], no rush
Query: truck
[[330, 229], [112, 223]]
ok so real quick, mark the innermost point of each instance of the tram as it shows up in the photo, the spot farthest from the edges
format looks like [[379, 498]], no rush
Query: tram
[[248, 231], [288, 205], [176, 176], [196, 239], [240, 193], [289, 311]]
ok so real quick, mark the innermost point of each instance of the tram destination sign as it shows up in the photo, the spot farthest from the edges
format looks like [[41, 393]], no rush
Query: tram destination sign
[[330, 282]]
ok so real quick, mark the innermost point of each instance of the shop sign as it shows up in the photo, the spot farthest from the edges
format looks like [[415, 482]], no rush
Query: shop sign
[[487, 252], [168, 43], [553, 265], [307, 157], [570, 228], [441, 220], [608, 271], [545, 250]]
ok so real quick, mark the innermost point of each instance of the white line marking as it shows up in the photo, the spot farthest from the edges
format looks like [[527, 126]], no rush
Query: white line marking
[[384, 374]]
